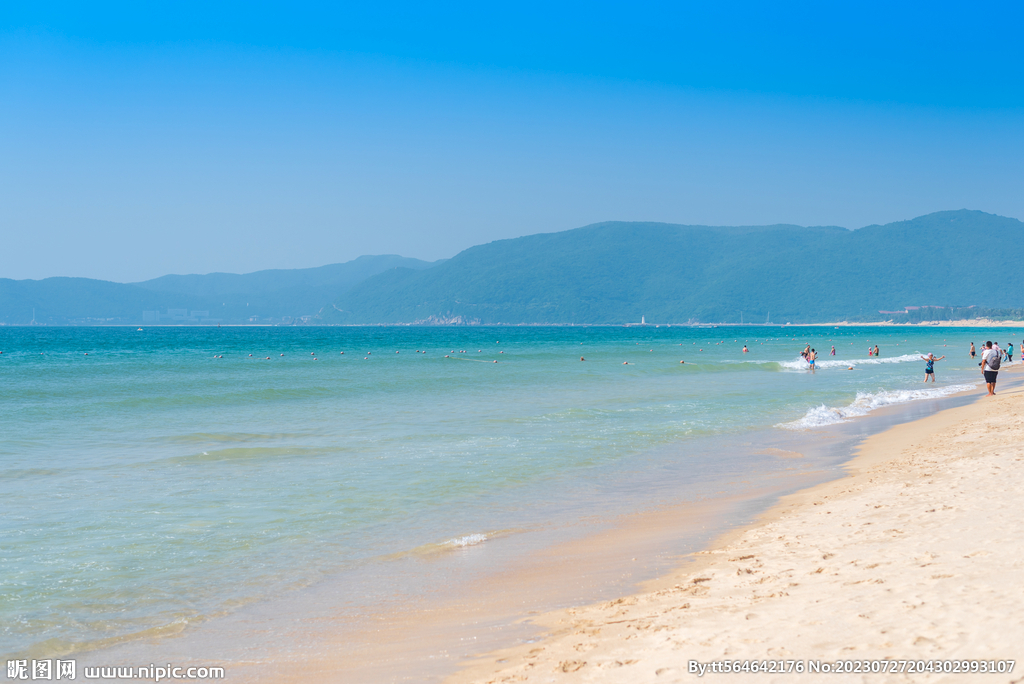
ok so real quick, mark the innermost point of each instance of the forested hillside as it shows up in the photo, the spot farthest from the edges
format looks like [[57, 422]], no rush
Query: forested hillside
[[617, 272]]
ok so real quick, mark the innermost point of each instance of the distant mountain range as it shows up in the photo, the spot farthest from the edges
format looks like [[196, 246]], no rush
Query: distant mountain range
[[617, 272], [613, 273], [273, 296]]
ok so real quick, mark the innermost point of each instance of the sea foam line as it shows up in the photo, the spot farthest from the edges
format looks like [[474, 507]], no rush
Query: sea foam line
[[827, 362], [865, 402], [468, 540]]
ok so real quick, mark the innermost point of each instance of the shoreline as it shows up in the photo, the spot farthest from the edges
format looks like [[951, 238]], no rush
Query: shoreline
[[251, 658], [882, 579], [960, 323], [427, 641], [425, 638]]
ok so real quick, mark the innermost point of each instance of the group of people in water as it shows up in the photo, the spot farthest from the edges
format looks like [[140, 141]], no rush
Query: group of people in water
[[1005, 354], [811, 355], [991, 357]]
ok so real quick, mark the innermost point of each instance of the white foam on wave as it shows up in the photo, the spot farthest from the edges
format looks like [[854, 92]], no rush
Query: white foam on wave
[[828, 362], [468, 540], [865, 402]]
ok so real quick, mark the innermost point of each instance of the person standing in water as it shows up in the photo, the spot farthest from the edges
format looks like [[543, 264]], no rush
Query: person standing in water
[[876, 351], [929, 366], [833, 352], [1009, 352], [811, 358], [972, 350]]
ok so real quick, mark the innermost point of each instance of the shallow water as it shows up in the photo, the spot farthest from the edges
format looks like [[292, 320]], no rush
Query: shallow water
[[148, 483]]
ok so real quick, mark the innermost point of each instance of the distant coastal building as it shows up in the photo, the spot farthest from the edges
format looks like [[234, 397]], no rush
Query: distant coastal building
[[178, 316]]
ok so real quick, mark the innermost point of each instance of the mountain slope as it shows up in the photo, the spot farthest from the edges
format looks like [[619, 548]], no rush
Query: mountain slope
[[617, 272], [226, 296]]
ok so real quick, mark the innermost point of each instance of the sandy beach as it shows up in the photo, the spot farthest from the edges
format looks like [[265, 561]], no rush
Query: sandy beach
[[916, 555]]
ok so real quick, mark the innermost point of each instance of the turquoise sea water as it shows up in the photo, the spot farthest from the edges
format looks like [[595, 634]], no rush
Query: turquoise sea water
[[158, 477]]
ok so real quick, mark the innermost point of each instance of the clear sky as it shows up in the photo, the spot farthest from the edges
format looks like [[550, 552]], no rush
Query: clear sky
[[140, 139]]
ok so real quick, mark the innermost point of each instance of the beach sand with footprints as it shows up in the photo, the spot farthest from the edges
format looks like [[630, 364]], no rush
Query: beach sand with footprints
[[917, 555]]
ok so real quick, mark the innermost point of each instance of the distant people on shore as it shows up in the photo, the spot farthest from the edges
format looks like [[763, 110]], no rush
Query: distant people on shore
[[990, 359], [972, 350], [929, 366]]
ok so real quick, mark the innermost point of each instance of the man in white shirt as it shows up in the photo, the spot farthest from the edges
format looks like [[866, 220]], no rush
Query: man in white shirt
[[987, 356]]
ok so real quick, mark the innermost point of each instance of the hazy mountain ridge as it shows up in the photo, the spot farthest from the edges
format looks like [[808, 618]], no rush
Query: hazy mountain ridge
[[227, 297], [616, 272], [605, 273]]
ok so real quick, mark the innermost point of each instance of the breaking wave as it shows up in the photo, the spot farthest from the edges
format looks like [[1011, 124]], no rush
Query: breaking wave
[[865, 403], [829, 362], [468, 540]]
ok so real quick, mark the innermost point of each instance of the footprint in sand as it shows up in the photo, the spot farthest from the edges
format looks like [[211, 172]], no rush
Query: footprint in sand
[[570, 665]]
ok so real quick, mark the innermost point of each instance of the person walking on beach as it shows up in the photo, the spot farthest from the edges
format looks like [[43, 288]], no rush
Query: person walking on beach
[[972, 350], [990, 367], [929, 365], [1009, 352]]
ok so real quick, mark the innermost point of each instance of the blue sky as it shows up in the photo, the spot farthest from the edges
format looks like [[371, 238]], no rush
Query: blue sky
[[180, 137]]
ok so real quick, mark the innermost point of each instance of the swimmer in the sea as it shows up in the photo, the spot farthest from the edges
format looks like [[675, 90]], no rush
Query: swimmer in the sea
[[929, 366]]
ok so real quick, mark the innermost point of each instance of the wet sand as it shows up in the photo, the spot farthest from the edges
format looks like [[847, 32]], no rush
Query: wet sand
[[916, 554]]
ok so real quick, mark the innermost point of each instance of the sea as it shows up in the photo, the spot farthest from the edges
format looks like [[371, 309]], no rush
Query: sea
[[161, 481]]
